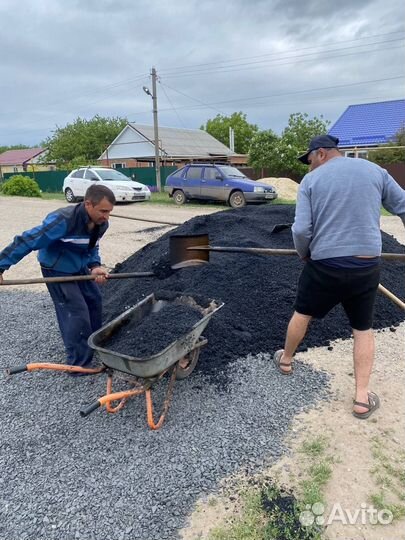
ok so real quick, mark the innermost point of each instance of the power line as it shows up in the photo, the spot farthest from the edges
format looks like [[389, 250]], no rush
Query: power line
[[274, 63], [194, 99], [297, 92], [192, 66], [173, 107]]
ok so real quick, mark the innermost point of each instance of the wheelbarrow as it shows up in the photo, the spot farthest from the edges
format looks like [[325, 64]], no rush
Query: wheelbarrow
[[178, 359]]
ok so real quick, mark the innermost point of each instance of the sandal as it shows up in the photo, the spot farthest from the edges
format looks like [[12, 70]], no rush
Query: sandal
[[276, 360], [372, 405]]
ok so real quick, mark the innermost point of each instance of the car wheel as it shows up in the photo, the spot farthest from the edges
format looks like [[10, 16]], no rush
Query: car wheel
[[237, 199], [179, 197], [69, 195]]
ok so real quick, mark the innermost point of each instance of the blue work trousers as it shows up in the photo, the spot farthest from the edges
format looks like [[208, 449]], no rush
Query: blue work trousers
[[78, 308]]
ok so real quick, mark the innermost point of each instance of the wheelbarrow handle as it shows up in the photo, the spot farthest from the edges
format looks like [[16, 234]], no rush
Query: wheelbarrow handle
[[17, 369], [88, 409]]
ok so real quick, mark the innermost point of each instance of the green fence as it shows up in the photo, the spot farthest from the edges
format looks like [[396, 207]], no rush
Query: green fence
[[52, 181]]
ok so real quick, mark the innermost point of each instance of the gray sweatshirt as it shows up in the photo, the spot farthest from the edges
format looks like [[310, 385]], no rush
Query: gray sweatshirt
[[338, 209]]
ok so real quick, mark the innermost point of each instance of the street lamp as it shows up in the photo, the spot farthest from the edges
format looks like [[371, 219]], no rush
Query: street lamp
[[155, 127]]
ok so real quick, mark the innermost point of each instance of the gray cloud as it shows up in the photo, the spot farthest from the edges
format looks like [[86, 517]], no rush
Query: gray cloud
[[63, 59]]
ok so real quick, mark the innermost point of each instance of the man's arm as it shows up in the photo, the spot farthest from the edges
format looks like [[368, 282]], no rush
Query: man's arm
[[393, 198], [53, 228], [302, 228], [95, 262]]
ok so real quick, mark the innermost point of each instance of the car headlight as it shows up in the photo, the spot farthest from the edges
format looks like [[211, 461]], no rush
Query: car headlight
[[258, 189], [145, 188]]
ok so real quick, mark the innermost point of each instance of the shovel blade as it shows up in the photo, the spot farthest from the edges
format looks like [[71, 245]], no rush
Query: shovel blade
[[180, 254]]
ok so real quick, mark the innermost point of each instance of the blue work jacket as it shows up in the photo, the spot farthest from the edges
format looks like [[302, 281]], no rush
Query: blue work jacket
[[63, 241]]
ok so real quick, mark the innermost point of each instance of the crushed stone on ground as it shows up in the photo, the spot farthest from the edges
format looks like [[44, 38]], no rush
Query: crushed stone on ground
[[108, 476]]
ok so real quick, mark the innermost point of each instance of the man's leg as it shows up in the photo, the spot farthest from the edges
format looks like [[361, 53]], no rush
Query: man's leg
[[92, 296], [363, 356], [297, 328], [74, 322]]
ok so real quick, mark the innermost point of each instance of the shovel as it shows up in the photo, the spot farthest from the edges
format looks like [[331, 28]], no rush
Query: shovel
[[189, 250], [193, 250], [65, 279]]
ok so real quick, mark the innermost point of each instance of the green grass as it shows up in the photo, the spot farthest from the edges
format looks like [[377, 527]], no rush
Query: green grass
[[52, 196], [163, 198], [271, 513], [389, 477]]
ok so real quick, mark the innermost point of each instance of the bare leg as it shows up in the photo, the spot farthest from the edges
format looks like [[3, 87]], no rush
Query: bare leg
[[297, 328], [363, 356]]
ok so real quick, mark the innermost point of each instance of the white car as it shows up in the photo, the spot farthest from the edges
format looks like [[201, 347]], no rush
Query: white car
[[123, 187]]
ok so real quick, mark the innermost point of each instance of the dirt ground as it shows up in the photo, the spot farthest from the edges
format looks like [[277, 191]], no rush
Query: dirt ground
[[350, 440]]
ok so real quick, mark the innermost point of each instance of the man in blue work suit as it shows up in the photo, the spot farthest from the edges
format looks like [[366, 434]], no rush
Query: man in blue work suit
[[68, 244]]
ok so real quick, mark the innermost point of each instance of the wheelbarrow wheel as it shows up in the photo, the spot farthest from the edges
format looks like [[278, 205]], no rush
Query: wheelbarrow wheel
[[187, 364]]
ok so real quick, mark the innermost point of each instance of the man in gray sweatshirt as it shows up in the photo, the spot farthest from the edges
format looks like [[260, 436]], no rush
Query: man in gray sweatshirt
[[337, 233]]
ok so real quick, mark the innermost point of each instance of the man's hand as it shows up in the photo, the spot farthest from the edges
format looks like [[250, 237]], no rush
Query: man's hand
[[101, 274]]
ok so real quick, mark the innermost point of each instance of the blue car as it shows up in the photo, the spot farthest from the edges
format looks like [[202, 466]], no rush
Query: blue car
[[202, 181]]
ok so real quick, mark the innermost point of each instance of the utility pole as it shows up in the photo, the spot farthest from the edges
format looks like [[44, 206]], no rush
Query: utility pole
[[231, 139], [156, 130]]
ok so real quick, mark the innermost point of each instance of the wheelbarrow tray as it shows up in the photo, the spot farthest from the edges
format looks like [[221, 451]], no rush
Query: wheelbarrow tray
[[151, 366]]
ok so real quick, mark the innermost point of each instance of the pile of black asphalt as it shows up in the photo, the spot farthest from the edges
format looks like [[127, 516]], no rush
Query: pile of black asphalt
[[258, 290], [140, 338]]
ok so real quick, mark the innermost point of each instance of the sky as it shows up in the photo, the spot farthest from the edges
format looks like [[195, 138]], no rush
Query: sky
[[64, 59]]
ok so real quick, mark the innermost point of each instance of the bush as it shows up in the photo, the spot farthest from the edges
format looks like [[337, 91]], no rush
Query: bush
[[20, 185]]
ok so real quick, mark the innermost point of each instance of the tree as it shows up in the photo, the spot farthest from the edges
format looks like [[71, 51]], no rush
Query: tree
[[14, 147], [219, 126], [281, 155], [386, 154], [262, 148], [83, 141]]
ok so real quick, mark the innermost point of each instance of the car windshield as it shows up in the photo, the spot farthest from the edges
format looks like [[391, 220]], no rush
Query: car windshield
[[231, 172], [111, 175]]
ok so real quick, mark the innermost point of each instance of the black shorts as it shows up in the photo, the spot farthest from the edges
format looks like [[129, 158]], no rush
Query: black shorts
[[320, 288]]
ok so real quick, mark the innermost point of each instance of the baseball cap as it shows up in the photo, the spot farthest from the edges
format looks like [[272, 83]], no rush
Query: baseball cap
[[321, 141]]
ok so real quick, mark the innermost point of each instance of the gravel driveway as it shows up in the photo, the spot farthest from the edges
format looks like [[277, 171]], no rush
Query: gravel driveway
[[108, 476]]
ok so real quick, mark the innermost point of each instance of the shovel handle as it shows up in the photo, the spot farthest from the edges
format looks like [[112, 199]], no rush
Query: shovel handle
[[147, 220], [391, 296], [65, 279], [270, 251]]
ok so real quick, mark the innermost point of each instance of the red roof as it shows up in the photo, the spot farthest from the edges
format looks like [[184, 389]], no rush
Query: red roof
[[18, 157]]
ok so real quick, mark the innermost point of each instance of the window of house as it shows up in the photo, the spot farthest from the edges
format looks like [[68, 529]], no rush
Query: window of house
[[15, 169], [119, 165], [360, 154]]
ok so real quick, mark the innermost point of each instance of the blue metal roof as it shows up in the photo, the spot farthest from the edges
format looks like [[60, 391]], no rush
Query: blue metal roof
[[369, 124]]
